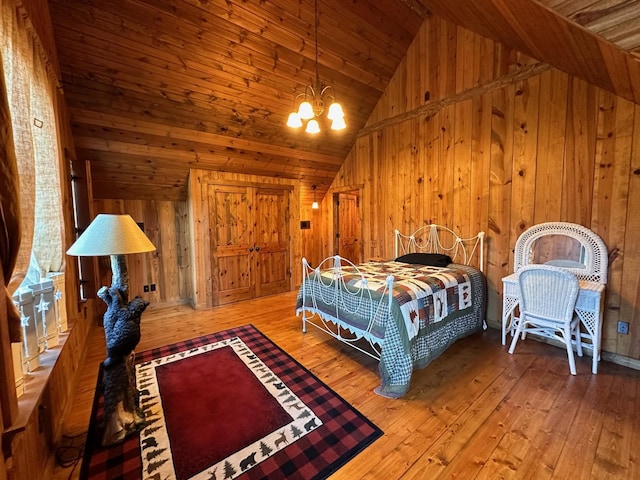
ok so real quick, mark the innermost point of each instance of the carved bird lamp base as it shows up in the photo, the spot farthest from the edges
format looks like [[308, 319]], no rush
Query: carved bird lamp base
[[122, 414]]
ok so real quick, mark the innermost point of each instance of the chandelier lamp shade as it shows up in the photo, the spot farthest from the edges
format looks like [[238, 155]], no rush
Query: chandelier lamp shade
[[312, 103], [314, 205]]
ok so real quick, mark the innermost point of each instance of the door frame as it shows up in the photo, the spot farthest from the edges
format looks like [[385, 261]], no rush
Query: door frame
[[334, 216]]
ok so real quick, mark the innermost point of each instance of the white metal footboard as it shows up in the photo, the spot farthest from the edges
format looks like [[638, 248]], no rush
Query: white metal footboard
[[324, 288]]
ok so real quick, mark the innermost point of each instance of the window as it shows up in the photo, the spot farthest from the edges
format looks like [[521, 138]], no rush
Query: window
[[30, 94]]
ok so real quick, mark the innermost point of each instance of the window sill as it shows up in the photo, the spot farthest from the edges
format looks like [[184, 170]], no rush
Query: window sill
[[35, 384]]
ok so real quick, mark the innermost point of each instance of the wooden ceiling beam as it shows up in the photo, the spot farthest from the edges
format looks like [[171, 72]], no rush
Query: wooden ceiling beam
[[150, 166], [212, 160], [130, 190], [146, 127]]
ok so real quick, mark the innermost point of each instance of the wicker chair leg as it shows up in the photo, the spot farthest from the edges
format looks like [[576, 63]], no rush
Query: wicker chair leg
[[516, 335], [578, 340], [567, 340]]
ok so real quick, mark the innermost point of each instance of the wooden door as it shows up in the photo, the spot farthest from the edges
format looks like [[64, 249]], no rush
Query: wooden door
[[231, 226], [271, 241], [250, 242], [348, 225]]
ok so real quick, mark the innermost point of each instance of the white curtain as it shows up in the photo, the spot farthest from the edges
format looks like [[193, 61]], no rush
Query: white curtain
[[35, 139], [48, 230]]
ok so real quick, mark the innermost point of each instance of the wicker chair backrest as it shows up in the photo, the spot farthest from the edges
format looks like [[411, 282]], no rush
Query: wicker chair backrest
[[547, 293]]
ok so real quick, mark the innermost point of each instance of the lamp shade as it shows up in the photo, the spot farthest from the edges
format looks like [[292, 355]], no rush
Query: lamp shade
[[111, 235], [294, 120], [338, 124], [305, 111], [335, 111], [313, 126]]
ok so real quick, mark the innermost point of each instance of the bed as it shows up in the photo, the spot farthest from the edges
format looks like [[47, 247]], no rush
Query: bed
[[402, 313]]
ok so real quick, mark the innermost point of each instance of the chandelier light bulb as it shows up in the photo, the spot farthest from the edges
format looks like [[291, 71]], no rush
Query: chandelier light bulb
[[305, 111], [294, 120], [338, 124], [313, 127], [335, 112]]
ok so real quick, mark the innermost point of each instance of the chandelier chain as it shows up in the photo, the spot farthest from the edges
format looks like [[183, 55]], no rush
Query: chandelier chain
[[316, 29]]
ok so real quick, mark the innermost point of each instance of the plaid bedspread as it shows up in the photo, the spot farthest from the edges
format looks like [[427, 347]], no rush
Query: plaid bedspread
[[423, 293], [432, 307]]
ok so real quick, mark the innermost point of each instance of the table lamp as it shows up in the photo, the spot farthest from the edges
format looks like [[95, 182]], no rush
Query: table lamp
[[117, 236]]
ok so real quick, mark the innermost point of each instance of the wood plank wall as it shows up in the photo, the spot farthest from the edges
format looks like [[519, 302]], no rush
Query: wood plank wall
[[501, 144], [169, 267], [311, 241]]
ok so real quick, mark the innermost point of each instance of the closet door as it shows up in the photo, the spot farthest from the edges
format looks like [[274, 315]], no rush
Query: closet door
[[271, 241], [231, 224], [249, 241]]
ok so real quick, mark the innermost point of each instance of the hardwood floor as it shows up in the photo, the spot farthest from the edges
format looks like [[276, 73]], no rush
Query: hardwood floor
[[475, 412]]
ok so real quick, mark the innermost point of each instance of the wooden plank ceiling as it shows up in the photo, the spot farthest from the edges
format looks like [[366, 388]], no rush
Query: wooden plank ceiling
[[156, 87]]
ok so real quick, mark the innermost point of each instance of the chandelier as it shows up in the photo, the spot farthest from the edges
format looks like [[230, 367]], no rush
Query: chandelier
[[313, 100]]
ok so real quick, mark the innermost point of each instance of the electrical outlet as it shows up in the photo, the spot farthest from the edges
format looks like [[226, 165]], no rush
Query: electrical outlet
[[623, 327], [153, 287], [146, 288]]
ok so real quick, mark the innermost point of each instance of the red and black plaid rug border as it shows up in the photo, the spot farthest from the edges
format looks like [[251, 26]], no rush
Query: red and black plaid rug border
[[345, 431]]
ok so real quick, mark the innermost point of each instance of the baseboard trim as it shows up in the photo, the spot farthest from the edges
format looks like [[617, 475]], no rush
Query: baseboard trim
[[621, 360], [616, 358]]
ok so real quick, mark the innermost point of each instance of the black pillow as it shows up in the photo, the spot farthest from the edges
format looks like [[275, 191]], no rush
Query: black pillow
[[430, 259]]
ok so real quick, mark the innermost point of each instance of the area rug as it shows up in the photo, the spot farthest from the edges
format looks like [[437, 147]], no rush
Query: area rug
[[229, 405]]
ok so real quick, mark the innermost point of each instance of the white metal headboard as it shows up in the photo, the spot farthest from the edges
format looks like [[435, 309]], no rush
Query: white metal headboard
[[427, 239]]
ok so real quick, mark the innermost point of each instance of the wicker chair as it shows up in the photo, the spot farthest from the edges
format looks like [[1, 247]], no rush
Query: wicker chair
[[547, 300]]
